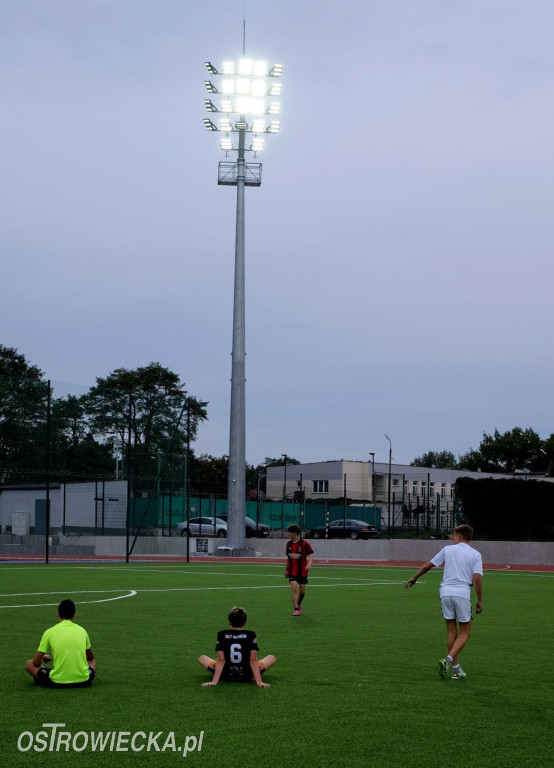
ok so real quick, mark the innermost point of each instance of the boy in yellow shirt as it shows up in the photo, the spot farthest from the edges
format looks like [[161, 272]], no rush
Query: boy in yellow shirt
[[68, 646]]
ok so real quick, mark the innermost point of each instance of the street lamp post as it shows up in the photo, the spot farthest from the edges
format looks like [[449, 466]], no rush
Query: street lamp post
[[247, 91], [372, 454], [388, 492], [284, 457], [260, 475]]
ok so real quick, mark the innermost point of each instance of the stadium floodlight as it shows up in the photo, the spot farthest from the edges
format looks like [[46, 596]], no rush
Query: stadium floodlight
[[258, 144], [259, 88], [244, 87]]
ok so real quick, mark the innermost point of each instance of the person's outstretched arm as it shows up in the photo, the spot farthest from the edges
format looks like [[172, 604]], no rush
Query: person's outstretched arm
[[422, 570]]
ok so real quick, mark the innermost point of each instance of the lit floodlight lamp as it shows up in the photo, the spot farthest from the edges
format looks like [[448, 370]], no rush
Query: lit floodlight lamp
[[227, 86], [258, 126], [211, 69], [260, 69], [209, 125], [257, 145], [274, 126], [228, 67], [241, 126], [226, 105], [246, 66], [274, 108], [276, 89], [210, 87], [243, 85], [226, 144], [225, 125], [257, 106], [276, 70], [258, 88], [210, 106]]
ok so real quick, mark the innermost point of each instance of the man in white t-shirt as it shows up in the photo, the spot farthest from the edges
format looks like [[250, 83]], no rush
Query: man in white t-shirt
[[463, 568]]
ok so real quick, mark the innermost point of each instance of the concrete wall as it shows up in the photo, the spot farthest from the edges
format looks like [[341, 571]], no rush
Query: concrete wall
[[397, 550], [419, 551]]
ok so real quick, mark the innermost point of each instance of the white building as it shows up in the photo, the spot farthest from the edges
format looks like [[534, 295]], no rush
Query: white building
[[403, 487]]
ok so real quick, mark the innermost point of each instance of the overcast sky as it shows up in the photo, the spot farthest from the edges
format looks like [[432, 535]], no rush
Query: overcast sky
[[399, 251]]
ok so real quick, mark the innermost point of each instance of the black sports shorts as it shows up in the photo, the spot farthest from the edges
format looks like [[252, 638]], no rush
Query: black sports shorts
[[43, 678], [299, 579]]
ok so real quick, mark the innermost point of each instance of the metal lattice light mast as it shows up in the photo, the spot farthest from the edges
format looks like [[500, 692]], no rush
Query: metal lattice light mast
[[247, 94]]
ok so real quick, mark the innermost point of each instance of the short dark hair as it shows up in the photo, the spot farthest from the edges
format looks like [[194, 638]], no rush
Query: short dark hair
[[465, 531], [66, 609], [294, 529], [237, 617]]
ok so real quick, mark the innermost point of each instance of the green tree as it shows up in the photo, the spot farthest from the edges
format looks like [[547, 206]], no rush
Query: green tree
[[513, 450], [75, 453], [147, 407], [268, 462], [23, 406], [208, 474], [439, 459]]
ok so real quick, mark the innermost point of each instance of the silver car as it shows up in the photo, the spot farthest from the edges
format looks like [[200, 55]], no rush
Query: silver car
[[202, 526]]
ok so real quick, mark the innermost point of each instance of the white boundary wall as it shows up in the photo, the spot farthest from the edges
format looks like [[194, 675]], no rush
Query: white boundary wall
[[402, 550]]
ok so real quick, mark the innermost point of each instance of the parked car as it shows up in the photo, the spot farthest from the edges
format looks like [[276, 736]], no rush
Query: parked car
[[340, 529], [262, 532], [202, 526]]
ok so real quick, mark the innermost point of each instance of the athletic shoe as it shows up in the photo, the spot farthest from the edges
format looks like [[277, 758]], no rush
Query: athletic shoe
[[458, 675], [297, 612], [443, 668]]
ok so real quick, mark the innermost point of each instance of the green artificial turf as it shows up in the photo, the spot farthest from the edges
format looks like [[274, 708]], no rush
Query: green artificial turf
[[356, 681]]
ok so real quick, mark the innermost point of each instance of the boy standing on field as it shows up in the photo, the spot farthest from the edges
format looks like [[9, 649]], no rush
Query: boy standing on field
[[237, 654], [463, 568], [299, 561], [68, 646]]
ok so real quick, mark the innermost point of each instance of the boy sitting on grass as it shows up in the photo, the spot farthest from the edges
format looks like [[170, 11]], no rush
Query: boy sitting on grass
[[237, 654], [68, 646]]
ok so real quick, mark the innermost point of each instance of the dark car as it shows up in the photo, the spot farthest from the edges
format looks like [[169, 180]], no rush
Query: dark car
[[262, 531], [340, 529]]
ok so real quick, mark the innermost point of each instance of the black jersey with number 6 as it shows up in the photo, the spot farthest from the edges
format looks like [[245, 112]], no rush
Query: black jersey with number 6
[[236, 644]]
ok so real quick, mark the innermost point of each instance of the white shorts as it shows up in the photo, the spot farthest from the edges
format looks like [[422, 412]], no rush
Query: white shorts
[[458, 608]]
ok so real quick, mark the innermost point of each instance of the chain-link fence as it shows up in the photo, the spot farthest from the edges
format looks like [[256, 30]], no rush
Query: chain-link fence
[[78, 463]]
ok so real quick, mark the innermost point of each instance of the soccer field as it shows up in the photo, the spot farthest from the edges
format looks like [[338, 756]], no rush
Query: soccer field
[[355, 684]]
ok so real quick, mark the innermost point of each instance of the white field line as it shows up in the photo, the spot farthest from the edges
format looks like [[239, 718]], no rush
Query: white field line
[[130, 593], [134, 592]]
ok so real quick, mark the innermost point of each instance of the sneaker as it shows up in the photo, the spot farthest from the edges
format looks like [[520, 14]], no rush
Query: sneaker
[[458, 675], [443, 668], [297, 612]]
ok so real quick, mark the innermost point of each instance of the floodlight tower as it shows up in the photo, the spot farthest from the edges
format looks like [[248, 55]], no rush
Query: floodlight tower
[[247, 95]]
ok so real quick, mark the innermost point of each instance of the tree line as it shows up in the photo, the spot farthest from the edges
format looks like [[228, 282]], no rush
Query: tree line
[[140, 422], [516, 450]]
